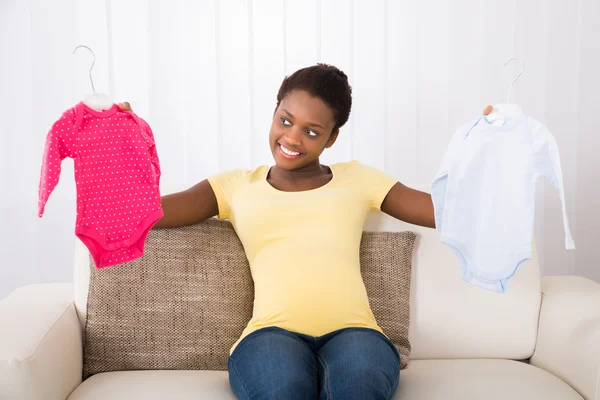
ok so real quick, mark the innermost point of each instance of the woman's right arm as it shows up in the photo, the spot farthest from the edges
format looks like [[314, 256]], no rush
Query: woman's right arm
[[188, 207]]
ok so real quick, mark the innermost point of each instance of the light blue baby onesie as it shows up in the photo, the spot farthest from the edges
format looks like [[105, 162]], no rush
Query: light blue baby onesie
[[484, 196]]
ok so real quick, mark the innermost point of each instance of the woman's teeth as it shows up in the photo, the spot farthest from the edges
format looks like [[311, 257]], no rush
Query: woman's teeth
[[288, 151]]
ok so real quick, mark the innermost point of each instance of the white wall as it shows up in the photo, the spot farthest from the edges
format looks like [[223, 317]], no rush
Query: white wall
[[205, 75]]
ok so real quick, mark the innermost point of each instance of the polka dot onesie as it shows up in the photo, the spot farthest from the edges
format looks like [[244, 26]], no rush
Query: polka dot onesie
[[117, 174]]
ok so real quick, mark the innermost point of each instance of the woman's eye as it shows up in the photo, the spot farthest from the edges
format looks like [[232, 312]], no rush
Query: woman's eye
[[285, 122], [311, 133]]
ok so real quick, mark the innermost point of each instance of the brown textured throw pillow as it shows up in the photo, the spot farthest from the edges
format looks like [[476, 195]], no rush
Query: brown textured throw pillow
[[385, 265], [184, 304]]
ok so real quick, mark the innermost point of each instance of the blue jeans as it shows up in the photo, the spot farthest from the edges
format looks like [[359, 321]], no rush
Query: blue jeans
[[350, 363]]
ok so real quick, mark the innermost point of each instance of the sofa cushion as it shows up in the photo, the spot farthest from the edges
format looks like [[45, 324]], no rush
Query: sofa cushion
[[184, 304], [423, 379]]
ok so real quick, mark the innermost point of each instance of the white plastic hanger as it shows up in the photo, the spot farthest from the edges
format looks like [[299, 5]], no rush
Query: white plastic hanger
[[502, 112], [96, 101]]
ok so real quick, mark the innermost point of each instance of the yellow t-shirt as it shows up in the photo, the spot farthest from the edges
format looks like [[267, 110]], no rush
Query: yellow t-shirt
[[303, 247]]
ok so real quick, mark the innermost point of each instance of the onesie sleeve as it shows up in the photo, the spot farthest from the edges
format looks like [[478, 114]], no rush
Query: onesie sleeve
[[148, 135], [153, 153], [61, 142], [372, 183], [547, 163], [455, 143], [225, 185], [438, 185]]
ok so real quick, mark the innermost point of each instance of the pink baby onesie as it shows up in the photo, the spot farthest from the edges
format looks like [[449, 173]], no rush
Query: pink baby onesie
[[117, 174]]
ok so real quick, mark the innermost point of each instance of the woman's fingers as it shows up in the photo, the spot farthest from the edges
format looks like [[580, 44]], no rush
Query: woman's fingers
[[125, 106]]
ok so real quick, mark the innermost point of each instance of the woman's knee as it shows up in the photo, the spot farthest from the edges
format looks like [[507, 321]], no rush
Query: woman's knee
[[363, 362], [273, 364]]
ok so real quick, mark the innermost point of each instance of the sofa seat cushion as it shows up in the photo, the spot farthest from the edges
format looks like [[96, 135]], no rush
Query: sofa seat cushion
[[480, 379], [155, 385], [421, 380]]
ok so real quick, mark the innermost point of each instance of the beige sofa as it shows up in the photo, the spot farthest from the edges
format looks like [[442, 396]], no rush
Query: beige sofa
[[540, 340]]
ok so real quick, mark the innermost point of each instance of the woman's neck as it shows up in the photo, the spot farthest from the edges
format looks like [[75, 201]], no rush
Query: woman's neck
[[310, 171]]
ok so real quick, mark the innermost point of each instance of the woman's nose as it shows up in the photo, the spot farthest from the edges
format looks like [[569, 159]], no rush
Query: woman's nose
[[293, 137]]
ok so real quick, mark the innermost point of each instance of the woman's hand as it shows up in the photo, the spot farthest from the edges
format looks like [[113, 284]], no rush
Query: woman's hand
[[125, 106]]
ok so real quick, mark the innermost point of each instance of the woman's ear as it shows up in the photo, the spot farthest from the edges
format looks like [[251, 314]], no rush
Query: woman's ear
[[332, 138]]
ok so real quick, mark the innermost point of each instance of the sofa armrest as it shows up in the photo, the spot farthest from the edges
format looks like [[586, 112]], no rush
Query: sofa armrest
[[41, 353], [568, 342]]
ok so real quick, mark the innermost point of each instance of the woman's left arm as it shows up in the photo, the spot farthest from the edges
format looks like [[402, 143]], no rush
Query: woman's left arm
[[409, 205]]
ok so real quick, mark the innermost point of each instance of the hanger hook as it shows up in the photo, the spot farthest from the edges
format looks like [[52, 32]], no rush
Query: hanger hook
[[517, 77], [91, 66]]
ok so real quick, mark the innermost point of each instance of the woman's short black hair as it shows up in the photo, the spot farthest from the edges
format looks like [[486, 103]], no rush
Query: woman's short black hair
[[326, 82]]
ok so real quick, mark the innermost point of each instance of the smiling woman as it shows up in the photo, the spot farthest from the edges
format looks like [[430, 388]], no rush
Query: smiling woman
[[312, 105], [302, 127], [315, 212], [295, 134]]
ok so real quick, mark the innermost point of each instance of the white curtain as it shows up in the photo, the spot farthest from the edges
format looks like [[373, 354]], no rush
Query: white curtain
[[205, 74]]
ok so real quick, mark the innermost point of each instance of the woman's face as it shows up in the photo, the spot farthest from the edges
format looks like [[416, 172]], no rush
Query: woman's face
[[301, 129]]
